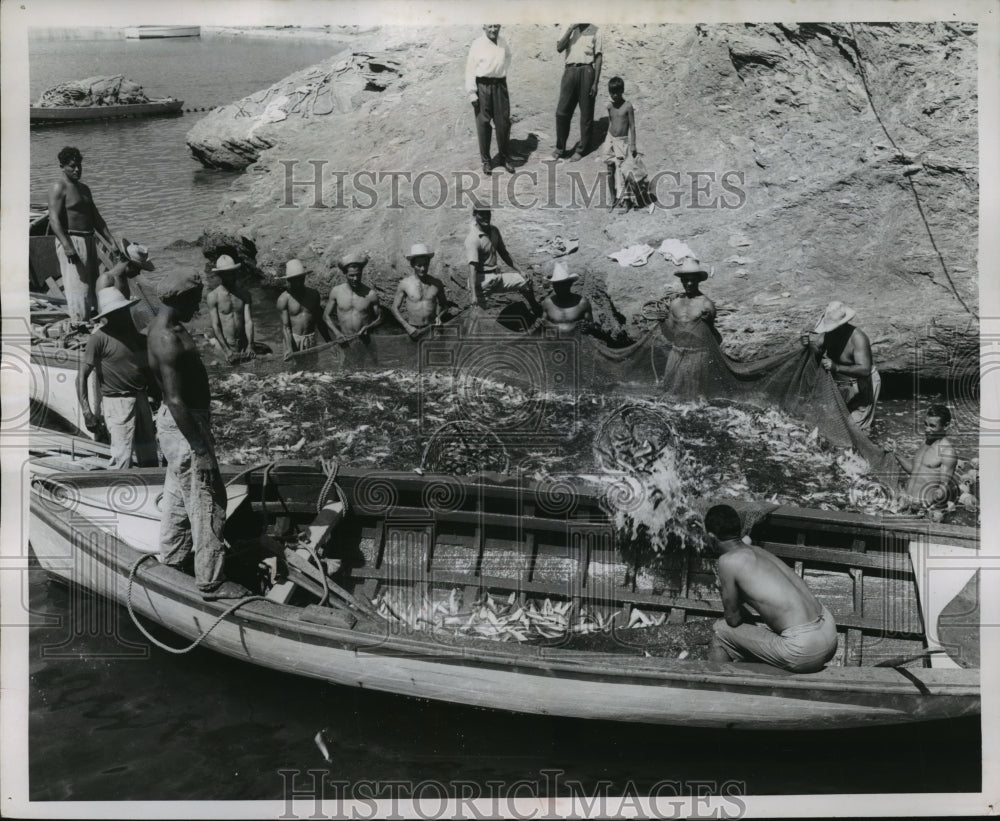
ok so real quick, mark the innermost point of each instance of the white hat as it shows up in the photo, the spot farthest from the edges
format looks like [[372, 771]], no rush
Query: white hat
[[139, 254], [110, 300], [353, 258], [225, 263], [561, 274], [294, 268], [835, 315], [419, 250]]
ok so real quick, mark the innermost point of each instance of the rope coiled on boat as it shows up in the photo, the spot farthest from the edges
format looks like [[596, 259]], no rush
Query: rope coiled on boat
[[177, 650]]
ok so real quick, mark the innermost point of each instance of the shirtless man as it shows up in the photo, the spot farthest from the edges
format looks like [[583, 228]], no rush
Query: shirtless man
[[229, 310], [693, 305], [932, 468], [800, 634], [74, 218], [301, 311], [353, 308], [565, 310], [847, 354], [135, 258], [194, 497], [424, 294]]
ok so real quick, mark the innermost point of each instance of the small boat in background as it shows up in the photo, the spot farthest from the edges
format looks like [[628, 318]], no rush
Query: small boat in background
[[167, 105], [159, 32]]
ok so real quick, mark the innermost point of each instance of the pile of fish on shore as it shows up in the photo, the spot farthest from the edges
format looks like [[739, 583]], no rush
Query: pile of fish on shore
[[399, 420]]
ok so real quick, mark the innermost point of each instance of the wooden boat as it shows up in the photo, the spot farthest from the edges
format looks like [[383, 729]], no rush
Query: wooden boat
[[159, 32], [448, 550], [68, 113]]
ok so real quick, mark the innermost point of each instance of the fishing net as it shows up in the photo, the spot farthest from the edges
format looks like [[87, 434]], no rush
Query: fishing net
[[684, 361]]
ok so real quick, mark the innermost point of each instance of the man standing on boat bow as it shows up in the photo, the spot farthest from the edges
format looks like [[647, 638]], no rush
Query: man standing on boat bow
[[798, 633], [194, 497]]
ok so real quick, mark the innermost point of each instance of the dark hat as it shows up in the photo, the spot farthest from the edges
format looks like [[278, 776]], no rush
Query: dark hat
[[176, 285], [691, 267]]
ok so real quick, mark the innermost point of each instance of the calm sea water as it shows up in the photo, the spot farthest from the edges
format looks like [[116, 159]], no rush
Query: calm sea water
[[201, 726]]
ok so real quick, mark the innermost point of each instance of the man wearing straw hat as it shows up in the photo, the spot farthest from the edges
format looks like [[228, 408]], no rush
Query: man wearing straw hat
[[194, 496], [423, 294], [301, 311], [847, 354], [230, 314], [692, 305], [116, 352], [135, 258], [353, 308], [565, 310]]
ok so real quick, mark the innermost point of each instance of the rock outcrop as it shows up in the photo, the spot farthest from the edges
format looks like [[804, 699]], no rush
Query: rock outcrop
[[804, 163]]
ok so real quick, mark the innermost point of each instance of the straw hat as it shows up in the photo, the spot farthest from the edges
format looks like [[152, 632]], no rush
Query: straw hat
[[835, 315], [419, 250], [225, 263], [560, 273], [110, 300], [691, 267], [353, 258], [294, 268], [139, 254]]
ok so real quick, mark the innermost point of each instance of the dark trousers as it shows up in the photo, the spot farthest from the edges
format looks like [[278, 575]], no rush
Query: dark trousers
[[577, 81], [492, 108]]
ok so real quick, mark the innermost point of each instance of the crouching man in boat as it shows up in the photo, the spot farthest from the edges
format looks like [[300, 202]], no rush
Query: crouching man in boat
[[800, 634], [135, 258], [117, 353], [301, 311], [932, 469], [194, 497], [353, 308], [229, 309], [422, 293], [74, 219]]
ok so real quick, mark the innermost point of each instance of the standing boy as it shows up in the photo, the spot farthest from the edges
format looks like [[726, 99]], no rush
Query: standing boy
[[620, 142]]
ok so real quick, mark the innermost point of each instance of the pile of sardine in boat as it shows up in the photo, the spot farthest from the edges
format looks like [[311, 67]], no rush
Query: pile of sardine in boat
[[506, 593]]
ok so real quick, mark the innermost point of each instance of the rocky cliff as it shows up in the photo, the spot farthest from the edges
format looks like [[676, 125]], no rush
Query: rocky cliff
[[803, 163]]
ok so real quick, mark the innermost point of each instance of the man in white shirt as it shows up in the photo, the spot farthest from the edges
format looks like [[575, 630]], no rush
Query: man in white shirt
[[486, 85], [581, 43]]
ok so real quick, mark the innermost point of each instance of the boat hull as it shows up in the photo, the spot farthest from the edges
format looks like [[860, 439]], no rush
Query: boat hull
[[105, 112], [159, 32], [70, 542]]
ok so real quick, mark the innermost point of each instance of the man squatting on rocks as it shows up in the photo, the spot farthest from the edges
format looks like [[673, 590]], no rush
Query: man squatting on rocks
[[482, 247], [581, 45], [116, 352], [353, 308], [932, 468], [74, 219], [800, 634], [486, 85], [423, 294], [301, 311], [194, 497], [230, 314]]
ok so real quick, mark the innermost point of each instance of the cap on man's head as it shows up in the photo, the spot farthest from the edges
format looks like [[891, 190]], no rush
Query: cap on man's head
[[176, 285], [723, 522], [481, 212], [353, 258], [225, 263], [690, 267]]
